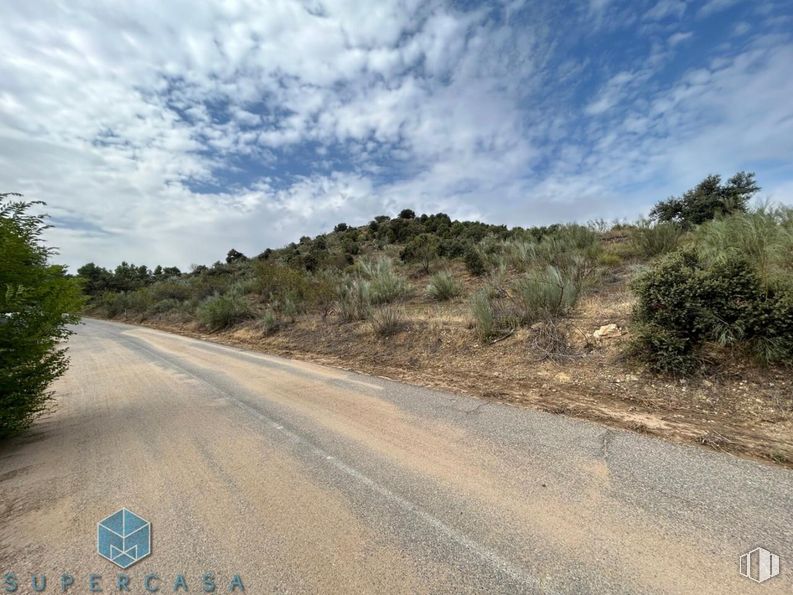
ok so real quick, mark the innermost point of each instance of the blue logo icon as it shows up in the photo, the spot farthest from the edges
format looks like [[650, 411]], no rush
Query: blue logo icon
[[123, 538]]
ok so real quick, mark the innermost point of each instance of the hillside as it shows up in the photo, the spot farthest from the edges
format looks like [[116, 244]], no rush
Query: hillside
[[550, 317]]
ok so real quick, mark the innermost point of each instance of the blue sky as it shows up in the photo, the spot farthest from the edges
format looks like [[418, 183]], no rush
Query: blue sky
[[169, 132]]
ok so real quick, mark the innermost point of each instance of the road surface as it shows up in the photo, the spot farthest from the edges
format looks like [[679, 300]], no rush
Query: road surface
[[306, 479]]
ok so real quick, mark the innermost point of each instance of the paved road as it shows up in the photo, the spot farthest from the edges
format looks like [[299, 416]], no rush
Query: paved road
[[306, 479]]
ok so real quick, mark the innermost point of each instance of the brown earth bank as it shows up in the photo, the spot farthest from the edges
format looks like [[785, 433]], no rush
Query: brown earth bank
[[739, 407]]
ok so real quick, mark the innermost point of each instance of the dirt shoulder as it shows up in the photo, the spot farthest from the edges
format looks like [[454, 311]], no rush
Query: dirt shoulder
[[741, 408]]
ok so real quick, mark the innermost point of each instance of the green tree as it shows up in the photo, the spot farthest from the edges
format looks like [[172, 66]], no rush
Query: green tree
[[708, 199], [96, 279], [235, 256], [37, 303], [422, 248]]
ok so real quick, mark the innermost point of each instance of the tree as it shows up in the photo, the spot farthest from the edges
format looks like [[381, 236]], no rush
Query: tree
[[341, 227], [407, 214], [235, 256], [37, 303], [422, 248], [707, 199], [96, 279]]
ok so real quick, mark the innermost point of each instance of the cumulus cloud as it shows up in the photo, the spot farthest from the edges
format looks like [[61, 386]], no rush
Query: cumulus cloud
[[170, 132]]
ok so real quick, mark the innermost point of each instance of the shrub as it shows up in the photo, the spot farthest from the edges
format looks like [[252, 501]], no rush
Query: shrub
[[176, 289], [388, 320], [686, 301], [222, 311], [353, 299], [442, 286], [164, 306], [37, 302], [385, 284], [422, 248], [474, 261], [653, 239]]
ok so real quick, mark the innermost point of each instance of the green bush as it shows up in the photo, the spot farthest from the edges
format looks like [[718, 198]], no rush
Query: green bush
[[475, 261], [443, 286], [222, 311], [686, 301], [422, 248], [164, 306], [388, 320], [37, 303]]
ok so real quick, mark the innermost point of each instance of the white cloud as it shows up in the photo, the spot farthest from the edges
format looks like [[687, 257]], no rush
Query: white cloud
[[714, 6], [679, 37], [664, 9]]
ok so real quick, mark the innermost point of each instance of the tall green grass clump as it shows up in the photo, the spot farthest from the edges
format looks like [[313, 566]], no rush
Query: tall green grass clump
[[388, 320], [385, 284], [545, 295], [443, 286], [764, 237], [653, 239], [354, 299]]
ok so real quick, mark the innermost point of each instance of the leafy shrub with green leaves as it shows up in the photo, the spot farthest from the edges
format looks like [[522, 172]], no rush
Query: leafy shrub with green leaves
[[443, 286], [422, 248], [686, 301], [475, 261], [37, 303], [223, 310]]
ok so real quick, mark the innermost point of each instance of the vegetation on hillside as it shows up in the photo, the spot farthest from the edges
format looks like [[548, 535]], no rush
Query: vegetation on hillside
[[711, 274], [37, 302]]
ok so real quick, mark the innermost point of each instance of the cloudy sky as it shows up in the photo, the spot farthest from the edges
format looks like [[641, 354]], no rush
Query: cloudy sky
[[169, 132]]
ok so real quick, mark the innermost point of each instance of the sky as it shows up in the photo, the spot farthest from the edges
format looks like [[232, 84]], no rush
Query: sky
[[170, 132]]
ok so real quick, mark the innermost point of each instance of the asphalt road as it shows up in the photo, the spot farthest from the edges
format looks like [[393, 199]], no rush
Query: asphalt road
[[305, 479]]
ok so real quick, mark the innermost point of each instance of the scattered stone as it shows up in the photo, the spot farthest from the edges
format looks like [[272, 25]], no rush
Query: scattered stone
[[607, 331]]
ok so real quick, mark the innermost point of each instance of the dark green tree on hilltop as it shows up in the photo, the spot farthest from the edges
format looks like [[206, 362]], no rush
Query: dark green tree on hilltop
[[708, 199], [37, 303]]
